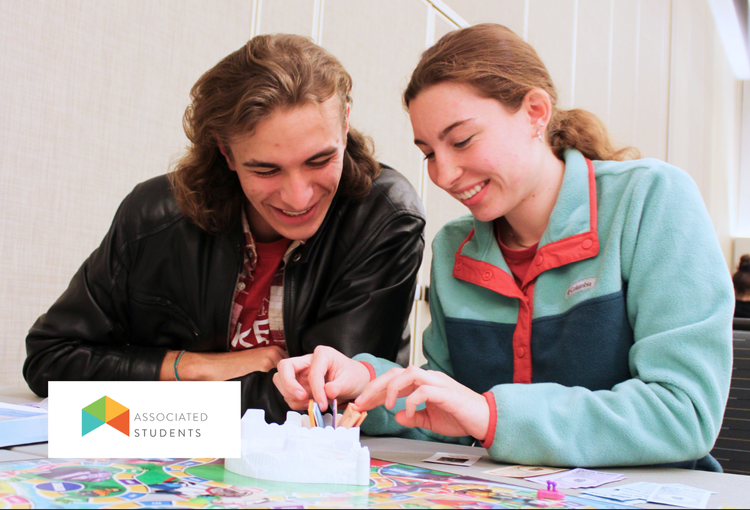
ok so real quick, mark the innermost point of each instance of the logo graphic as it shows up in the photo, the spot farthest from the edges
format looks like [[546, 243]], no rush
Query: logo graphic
[[105, 410], [580, 285]]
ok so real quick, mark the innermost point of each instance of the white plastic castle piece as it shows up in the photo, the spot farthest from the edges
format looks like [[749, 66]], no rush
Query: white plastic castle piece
[[292, 452]]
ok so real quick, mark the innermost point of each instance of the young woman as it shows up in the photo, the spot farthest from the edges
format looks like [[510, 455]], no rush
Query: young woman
[[581, 316]]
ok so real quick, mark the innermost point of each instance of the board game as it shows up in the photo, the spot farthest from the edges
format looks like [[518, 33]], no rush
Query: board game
[[204, 483]]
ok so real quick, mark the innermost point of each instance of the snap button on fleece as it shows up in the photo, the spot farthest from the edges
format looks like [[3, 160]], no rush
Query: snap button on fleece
[[588, 243], [520, 352], [487, 275], [240, 286], [296, 257], [539, 260], [459, 265]]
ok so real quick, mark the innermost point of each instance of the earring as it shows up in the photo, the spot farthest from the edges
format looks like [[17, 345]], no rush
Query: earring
[[538, 133]]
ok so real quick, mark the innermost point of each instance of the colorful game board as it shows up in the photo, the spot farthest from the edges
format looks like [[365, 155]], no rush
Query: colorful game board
[[204, 483]]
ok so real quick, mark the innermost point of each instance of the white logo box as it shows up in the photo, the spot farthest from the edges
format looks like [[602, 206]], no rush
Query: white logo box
[[167, 419]]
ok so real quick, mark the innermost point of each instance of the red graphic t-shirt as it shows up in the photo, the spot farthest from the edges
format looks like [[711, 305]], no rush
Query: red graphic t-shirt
[[254, 329]]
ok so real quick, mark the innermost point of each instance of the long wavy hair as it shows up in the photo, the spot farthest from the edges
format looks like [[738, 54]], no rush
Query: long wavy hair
[[271, 72], [500, 65]]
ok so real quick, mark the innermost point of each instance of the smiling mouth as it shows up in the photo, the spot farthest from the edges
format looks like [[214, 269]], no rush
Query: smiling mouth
[[292, 213], [465, 195]]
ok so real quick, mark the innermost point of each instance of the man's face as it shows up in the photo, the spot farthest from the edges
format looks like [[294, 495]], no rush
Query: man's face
[[290, 167]]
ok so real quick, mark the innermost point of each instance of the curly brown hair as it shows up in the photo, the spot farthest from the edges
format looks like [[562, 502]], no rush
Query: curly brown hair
[[269, 73], [500, 65]]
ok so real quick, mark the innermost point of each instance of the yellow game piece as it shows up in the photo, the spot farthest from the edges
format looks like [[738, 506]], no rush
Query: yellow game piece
[[311, 413]]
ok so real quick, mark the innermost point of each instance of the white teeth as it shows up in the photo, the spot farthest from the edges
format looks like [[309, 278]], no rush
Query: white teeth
[[470, 192], [290, 213]]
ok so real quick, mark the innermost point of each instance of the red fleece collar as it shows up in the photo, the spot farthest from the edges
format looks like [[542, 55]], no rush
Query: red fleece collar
[[559, 253]]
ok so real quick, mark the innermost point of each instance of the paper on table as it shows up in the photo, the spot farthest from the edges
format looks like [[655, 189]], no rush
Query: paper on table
[[629, 492], [586, 495], [578, 478], [524, 471], [684, 496]]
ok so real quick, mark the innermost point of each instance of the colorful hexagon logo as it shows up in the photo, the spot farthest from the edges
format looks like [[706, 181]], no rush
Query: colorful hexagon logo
[[105, 410]]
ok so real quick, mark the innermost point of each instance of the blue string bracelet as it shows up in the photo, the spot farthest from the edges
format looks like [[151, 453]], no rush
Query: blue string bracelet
[[175, 364]]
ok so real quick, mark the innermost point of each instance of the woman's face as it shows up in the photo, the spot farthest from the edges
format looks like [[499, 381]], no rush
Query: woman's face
[[290, 167], [475, 149]]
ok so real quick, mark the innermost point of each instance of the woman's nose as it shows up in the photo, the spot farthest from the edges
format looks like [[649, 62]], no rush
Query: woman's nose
[[444, 172]]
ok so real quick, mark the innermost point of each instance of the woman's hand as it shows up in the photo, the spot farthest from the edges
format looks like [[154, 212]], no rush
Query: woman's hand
[[451, 408], [324, 375], [220, 366]]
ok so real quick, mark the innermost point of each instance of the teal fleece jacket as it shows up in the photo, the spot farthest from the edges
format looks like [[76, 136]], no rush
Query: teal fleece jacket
[[616, 349]]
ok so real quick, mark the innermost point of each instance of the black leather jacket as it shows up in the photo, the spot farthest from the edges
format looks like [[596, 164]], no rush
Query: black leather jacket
[[160, 282]]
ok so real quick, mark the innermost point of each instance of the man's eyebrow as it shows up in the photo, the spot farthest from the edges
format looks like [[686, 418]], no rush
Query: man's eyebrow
[[326, 152], [444, 132], [254, 163]]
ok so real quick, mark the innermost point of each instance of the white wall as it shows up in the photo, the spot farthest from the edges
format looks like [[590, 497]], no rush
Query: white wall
[[94, 94]]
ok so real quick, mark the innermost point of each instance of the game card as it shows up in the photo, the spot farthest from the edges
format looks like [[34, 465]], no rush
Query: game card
[[579, 478], [453, 459], [676, 494]]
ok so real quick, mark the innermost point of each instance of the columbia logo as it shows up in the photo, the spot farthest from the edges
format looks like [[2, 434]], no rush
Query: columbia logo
[[580, 285]]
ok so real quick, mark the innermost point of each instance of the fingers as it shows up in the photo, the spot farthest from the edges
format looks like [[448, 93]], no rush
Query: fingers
[[399, 382], [374, 393], [294, 403], [323, 362], [287, 383], [350, 378], [423, 395], [451, 409]]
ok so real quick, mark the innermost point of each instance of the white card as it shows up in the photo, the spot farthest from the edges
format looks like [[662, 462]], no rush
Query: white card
[[680, 495], [628, 492], [578, 478], [453, 459]]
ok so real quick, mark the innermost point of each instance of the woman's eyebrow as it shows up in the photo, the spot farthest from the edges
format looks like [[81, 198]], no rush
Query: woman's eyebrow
[[445, 131]]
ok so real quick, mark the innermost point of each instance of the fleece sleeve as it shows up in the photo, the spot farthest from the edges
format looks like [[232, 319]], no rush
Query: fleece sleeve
[[679, 304]]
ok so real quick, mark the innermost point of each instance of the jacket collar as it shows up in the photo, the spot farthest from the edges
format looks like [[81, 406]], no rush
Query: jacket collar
[[571, 235]]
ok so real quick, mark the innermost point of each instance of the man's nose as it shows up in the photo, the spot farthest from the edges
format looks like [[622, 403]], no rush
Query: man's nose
[[297, 190]]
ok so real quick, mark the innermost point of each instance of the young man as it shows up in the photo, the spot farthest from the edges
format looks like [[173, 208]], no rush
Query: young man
[[277, 232]]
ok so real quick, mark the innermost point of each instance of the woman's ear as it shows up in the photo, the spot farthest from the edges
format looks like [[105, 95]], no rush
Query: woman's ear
[[538, 107], [227, 156]]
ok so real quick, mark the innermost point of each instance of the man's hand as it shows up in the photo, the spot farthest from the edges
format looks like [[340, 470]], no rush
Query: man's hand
[[451, 409], [220, 366], [324, 375]]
